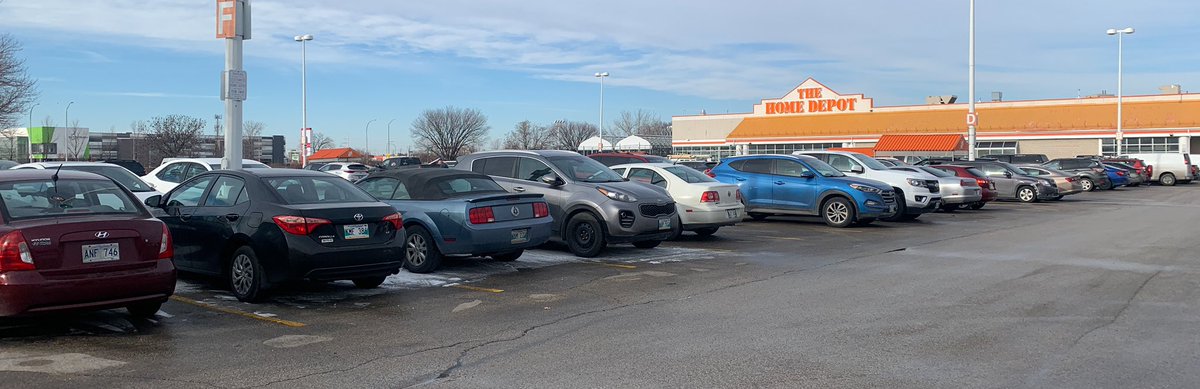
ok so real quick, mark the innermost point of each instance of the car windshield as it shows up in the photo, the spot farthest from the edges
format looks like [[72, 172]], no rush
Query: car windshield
[[317, 190], [688, 174], [936, 172], [583, 169], [116, 173], [870, 162], [824, 169], [245, 165], [459, 186], [50, 198]]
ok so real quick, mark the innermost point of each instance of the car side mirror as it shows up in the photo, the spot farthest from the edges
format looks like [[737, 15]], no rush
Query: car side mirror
[[154, 201], [807, 175], [857, 169], [552, 180], [1008, 174]]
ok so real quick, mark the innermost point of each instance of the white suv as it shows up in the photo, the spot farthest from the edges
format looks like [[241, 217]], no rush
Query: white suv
[[920, 190], [176, 170]]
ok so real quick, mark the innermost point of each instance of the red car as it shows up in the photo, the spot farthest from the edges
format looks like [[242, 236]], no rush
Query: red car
[[1141, 166], [77, 241], [614, 159], [989, 186]]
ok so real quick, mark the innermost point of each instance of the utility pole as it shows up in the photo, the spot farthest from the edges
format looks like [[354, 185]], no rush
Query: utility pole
[[972, 118], [233, 25]]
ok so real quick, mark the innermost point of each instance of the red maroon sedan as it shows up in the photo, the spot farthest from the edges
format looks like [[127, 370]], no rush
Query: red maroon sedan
[[77, 241], [989, 186]]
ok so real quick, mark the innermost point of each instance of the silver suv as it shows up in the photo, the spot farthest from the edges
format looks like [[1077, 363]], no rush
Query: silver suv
[[592, 205]]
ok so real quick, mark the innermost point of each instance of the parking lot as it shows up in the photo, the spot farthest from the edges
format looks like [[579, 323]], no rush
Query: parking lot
[[1095, 290]]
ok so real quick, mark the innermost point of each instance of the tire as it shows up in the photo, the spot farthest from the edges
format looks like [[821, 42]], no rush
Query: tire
[[1027, 194], [246, 276], [144, 310], [509, 256], [978, 205], [421, 254], [901, 207], [707, 231], [647, 244], [369, 282], [1167, 179], [757, 216], [838, 212], [584, 235], [1088, 185], [1107, 185], [676, 228]]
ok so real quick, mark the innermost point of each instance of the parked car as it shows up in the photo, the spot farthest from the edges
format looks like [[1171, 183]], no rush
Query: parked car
[[1169, 168], [116, 173], [891, 162], [6, 164], [72, 241], [940, 161], [1012, 183], [592, 205], [1135, 178], [259, 228], [1068, 184], [350, 171], [1139, 165], [612, 159], [704, 205], [401, 163], [955, 191], [134, 167], [314, 165], [920, 191], [1092, 173], [1118, 176], [987, 185], [1019, 159], [459, 213], [176, 170], [805, 185]]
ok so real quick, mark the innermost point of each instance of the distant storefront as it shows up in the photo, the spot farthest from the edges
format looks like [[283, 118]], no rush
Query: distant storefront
[[814, 117]]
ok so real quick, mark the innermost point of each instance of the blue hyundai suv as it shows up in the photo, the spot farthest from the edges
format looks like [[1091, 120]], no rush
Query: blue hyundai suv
[[803, 185]]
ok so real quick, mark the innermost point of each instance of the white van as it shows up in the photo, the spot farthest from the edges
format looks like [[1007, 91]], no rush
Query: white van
[[1169, 168]]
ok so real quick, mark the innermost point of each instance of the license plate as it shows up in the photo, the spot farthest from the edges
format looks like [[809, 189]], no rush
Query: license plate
[[731, 213], [520, 236], [664, 224], [93, 253], [356, 231]]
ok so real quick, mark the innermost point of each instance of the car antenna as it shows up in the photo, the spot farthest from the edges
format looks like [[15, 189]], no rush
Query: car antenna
[[54, 179]]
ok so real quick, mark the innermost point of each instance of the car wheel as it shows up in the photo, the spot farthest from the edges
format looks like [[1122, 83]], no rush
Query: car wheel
[[509, 256], [1167, 179], [246, 276], [901, 207], [1088, 185], [647, 244], [421, 254], [978, 205], [1027, 194], [369, 282], [144, 310], [1106, 185], [757, 216], [707, 231], [837, 212], [585, 237], [676, 228]]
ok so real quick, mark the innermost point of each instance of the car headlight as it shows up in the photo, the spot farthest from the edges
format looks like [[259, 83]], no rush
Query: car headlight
[[616, 195], [916, 182], [865, 188]]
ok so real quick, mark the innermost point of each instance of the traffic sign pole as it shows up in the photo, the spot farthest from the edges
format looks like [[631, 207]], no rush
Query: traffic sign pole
[[233, 25]]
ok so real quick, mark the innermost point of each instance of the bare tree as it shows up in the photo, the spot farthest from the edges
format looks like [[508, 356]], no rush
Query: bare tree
[[10, 137], [141, 148], [321, 141], [450, 132], [526, 136], [252, 139], [77, 142], [175, 135], [656, 127], [497, 144], [17, 89], [567, 135], [48, 121], [640, 122], [218, 137]]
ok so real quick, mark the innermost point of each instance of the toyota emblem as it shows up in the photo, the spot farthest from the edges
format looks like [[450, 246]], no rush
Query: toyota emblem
[[516, 212], [102, 234], [358, 217]]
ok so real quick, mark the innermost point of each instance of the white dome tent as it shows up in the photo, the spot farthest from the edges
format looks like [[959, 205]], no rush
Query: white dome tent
[[634, 143], [594, 145]]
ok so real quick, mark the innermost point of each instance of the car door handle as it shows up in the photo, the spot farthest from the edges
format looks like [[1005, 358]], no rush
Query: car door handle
[[231, 217], [185, 217], [739, 178], [778, 182], [519, 188]]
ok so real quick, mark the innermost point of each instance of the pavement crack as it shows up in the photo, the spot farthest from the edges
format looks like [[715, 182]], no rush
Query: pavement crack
[[1120, 312], [364, 363]]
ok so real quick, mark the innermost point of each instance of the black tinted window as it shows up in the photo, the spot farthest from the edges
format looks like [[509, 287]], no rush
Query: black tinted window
[[499, 166], [312, 190], [762, 166]]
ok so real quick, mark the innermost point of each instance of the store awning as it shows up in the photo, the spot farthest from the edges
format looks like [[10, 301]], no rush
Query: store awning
[[921, 143], [870, 152], [594, 144], [634, 143]]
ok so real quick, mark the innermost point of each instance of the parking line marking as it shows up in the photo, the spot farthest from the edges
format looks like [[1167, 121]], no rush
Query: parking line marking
[[478, 289], [619, 266], [231, 311]]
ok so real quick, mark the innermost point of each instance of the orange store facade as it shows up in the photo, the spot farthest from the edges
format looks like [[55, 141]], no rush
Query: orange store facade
[[812, 116]]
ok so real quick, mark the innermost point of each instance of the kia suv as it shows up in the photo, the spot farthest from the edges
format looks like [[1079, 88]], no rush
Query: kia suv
[[920, 191], [803, 185]]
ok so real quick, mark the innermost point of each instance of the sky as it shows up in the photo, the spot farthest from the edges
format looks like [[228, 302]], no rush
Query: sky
[[388, 60]]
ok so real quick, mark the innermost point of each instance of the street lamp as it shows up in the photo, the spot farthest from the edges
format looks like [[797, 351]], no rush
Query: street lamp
[[366, 137], [602, 76], [303, 39], [31, 116], [67, 115], [1119, 33], [387, 148]]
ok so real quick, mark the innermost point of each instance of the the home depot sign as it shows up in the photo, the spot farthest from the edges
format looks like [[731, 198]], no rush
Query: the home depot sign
[[811, 97]]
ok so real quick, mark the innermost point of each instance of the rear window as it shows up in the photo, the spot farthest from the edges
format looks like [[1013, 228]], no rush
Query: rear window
[[116, 173], [688, 174], [47, 198], [317, 190], [466, 185], [357, 166]]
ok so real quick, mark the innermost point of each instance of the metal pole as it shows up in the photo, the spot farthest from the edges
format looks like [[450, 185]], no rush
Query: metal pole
[[233, 108], [67, 115], [366, 137], [602, 113], [303, 99], [387, 148], [1120, 82], [971, 87]]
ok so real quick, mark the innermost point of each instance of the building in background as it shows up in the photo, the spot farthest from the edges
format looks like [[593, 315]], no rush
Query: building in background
[[336, 155], [79, 144]]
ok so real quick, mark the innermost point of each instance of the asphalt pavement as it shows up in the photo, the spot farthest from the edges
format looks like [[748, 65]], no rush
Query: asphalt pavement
[[1097, 290]]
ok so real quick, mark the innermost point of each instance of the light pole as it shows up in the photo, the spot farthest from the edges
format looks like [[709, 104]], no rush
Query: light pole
[[303, 39], [31, 116], [388, 147], [366, 137], [1119, 34], [602, 76], [971, 118], [67, 115]]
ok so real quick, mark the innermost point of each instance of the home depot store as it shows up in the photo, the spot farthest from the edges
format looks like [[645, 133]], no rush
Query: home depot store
[[814, 117]]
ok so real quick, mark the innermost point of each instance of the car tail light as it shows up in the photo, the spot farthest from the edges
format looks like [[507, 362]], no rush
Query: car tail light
[[1120, 173], [710, 197], [983, 182], [541, 210], [738, 193], [297, 225], [709, 173], [396, 220], [481, 215], [166, 246], [1072, 179], [14, 253]]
